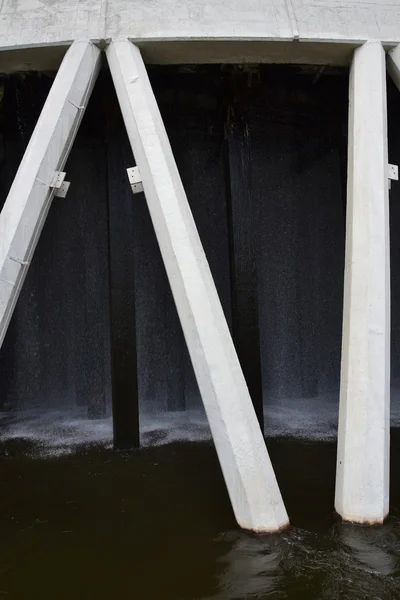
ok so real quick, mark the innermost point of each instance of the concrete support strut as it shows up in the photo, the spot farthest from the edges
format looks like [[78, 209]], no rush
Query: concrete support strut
[[362, 478], [30, 196], [245, 463]]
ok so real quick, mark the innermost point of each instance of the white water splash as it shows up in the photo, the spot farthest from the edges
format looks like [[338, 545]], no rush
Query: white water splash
[[60, 432]]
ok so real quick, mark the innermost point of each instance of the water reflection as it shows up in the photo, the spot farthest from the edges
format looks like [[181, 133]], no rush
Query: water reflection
[[158, 522], [371, 547], [345, 562], [250, 567]]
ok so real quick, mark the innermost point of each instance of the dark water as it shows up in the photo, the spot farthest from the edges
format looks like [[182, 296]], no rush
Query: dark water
[[157, 524]]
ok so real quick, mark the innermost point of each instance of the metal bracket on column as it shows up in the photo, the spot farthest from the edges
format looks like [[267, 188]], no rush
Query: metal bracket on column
[[59, 184], [135, 180], [393, 174]]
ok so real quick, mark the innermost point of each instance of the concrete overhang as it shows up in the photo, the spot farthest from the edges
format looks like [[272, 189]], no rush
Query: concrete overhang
[[189, 51]]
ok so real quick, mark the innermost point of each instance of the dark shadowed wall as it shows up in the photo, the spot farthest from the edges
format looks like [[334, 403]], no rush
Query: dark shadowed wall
[[277, 132]]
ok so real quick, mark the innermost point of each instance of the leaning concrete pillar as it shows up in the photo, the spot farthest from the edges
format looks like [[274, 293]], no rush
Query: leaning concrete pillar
[[28, 202], [362, 479], [245, 463]]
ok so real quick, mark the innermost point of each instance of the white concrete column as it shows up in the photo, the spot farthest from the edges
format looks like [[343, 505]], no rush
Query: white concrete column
[[30, 196], [245, 463], [362, 479]]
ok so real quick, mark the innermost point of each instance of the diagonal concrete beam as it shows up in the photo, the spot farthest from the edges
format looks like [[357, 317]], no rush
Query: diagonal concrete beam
[[362, 476], [245, 463], [30, 196]]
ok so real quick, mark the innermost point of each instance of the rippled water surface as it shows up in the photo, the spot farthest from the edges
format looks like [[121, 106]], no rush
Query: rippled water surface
[[157, 524]]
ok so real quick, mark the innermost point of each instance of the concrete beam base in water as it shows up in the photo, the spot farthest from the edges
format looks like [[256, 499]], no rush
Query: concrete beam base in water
[[244, 459], [30, 197], [362, 480]]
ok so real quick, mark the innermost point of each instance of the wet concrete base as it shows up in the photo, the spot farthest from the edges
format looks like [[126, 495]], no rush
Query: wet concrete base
[[156, 523]]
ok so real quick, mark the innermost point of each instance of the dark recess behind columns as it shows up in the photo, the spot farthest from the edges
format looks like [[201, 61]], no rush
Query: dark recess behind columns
[[296, 127], [60, 352], [242, 215], [125, 401], [394, 203]]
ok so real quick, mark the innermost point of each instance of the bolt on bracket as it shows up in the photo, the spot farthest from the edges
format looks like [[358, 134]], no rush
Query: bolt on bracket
[[393, 174], [135, 180], [59, 184]]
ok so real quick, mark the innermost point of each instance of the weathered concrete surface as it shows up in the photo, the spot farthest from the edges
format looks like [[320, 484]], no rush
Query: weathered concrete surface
[[244, 459], [362, 482], [48, 22], [29, 199]]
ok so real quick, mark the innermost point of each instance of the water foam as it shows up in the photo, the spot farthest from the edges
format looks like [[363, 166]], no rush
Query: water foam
[[60, 432]]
